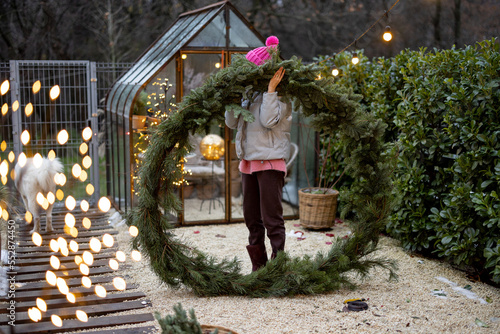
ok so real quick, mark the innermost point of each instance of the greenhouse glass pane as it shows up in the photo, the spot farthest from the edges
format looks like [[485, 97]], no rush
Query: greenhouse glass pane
[[240, 34], [213, 35]]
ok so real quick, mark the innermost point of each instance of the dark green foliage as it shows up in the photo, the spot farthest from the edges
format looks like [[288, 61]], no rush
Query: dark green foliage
[[443, 112], [334, 109], [179, 323]]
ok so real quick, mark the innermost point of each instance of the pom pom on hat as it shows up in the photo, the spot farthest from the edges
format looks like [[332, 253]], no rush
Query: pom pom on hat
[[272, 40], [260, 55]]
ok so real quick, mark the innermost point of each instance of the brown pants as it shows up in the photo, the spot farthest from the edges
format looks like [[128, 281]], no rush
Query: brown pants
[[262, 208]]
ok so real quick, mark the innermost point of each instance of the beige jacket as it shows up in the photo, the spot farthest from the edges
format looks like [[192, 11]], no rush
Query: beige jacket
[[268, 137]]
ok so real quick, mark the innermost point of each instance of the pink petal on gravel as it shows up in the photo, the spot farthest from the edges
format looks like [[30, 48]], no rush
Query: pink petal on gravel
[[196, 232], [328, 242], [339, 221], [296, 225], [301, 239], [330, 234]]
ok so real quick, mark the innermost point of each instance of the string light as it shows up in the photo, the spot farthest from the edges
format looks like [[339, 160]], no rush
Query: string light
[[387, 36], [335, 71], [366, 31], [355, 59]]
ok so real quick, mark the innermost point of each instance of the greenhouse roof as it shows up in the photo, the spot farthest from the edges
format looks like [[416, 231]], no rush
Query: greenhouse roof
[[216, 27]]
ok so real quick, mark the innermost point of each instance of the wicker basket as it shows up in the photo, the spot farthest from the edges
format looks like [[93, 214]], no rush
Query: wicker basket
[[317, 211], [209, 329]]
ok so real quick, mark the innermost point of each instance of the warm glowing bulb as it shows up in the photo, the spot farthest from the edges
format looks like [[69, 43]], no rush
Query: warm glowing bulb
[[4, 88], [119, 283], [54, 92], [84, 269], [113, 264], [387, 36], [335, 72], [107, 240], [88, 258], [87, 162], [100, 291], [64, 251], [95, 245], [184, 56], [69, 220], [4, 168], [217, 65], [21, 160], [70, 203], [40, 198], [41, 304], [84, 205], [76, 170], [86, 282], [51, 278], [104, 204], [36, 238], [28, 110], [73, 231], [133, 230], [62, 179], [84, 148], [15, 105], [59, 194], [52, 155], [54, 245], [82, 316], [56, 320], [71, 297], [62, 286], [87, 133], [5, 215], [78, 260], [36, 86], [120, 256], [62, 137], [86, 223], [12, 156], [51, 198], [54, 262], [5, 109], [62, 243], [355, 59], [83, 176], [136, 256], [73, 246], [25, 137], [38, 160], [34, 314], [89, 189], [3, 146]]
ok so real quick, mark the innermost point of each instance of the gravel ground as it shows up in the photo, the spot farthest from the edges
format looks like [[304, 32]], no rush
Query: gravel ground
[[428, 297]]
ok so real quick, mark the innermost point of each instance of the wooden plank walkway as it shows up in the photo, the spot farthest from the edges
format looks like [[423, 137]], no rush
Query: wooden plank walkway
[[31, 264]]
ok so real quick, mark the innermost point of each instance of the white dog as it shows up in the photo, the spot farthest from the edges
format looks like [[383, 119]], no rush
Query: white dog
[[31, 180]]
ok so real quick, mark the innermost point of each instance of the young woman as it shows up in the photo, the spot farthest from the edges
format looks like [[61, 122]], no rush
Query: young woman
[[263, 146]]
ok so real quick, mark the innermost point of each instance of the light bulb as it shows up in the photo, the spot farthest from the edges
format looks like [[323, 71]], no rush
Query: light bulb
[[355, 58], [387, 36]]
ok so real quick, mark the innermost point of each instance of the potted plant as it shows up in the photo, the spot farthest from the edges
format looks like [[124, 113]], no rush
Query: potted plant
[[318, 205]]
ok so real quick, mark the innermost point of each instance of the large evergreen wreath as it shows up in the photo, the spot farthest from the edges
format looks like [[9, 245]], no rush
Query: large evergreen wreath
[[335, 111]]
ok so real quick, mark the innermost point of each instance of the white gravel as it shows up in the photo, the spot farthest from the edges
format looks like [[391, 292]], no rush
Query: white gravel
[[409, 305]]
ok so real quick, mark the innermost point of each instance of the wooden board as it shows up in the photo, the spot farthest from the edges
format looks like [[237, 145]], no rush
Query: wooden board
[[31, 265]]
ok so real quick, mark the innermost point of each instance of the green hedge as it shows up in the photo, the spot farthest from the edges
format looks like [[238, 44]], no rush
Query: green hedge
[[443, 112]]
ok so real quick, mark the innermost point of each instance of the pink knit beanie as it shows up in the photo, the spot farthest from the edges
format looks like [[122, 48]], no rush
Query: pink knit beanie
[[259, 56]]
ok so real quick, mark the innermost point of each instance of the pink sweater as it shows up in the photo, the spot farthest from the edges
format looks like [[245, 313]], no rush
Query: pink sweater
[[249, 167]]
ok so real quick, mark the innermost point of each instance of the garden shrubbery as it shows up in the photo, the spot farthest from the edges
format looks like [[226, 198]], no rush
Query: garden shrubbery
[[443, 114]]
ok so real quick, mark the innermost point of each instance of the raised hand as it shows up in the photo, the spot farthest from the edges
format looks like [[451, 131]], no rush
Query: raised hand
[[275, 80]]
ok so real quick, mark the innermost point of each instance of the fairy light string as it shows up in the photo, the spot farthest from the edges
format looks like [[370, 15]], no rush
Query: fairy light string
[[364, 33]]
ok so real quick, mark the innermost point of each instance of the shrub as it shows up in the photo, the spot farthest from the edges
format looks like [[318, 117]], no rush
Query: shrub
[[442, 111]]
